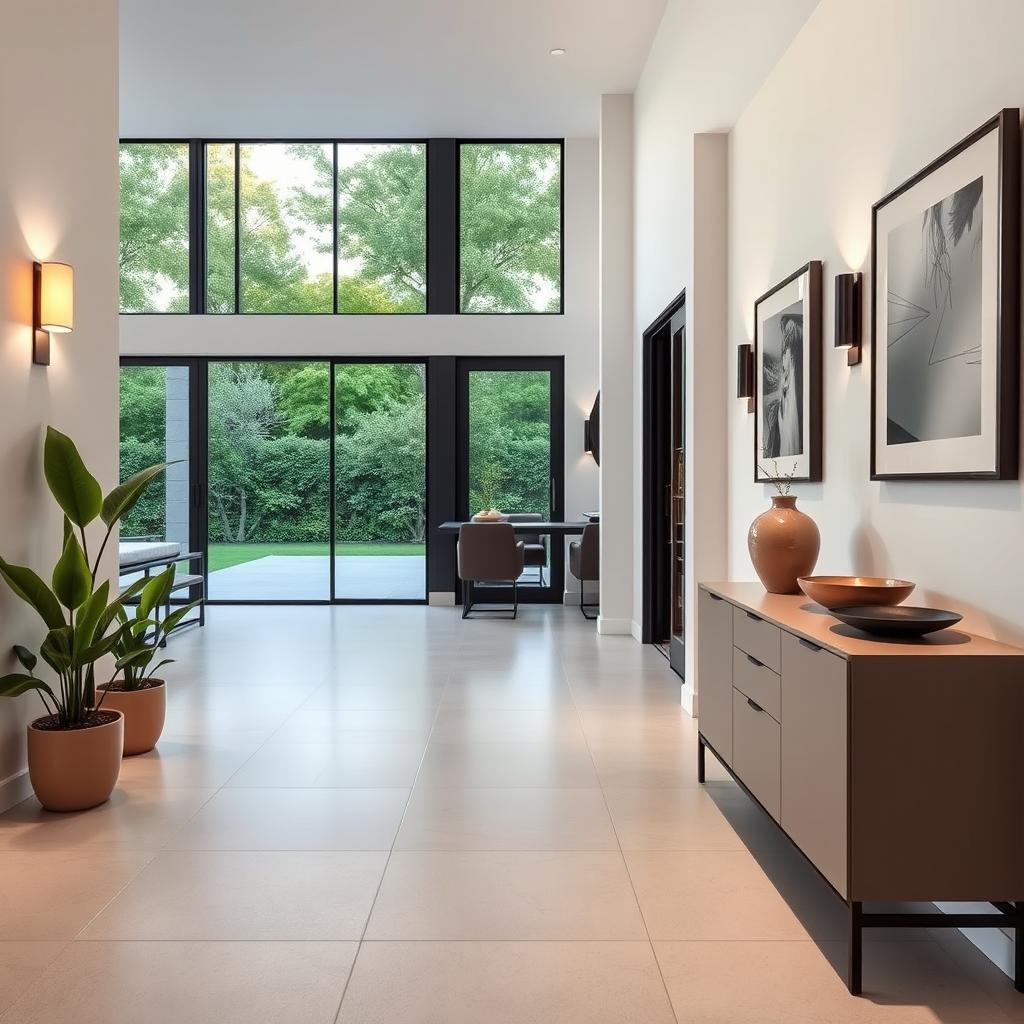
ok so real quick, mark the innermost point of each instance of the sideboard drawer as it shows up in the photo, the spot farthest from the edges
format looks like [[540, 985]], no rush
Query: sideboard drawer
[[756, 760], [758, 682], [757, 637]]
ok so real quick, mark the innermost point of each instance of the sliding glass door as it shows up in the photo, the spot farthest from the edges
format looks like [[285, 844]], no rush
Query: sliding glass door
[[512, 454], [380, 451], [268, 456]]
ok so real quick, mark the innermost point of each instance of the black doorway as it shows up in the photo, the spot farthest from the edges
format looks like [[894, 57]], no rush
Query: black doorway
[[664, 480]]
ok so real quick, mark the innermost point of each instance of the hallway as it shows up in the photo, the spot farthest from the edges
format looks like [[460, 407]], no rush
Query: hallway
[[393, 816]]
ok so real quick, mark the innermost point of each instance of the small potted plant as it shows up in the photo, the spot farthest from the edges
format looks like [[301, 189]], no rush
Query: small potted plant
[[138, 694], [74, 750], [491, 479]]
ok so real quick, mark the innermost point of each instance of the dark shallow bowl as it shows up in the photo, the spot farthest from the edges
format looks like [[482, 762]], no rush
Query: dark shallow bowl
[[896, 620]]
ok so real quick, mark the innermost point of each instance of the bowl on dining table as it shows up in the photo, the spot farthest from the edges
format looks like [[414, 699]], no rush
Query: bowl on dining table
[[836, 591]]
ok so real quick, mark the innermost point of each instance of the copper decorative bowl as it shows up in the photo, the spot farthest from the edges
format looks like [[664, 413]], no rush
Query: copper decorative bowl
[[836, 591]]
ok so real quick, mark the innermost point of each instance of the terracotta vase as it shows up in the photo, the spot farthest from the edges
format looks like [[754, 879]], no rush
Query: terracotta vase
[[144, 712], [75, 769], [783, 545]]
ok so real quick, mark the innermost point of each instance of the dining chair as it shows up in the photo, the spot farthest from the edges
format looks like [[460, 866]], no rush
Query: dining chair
[[489, 553]]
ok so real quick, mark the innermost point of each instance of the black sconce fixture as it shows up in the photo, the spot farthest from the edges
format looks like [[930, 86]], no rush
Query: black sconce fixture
[[745, 374], [848, 307], [592, 431]]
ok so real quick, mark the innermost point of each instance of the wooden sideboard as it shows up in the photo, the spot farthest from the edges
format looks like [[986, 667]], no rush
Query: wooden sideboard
[[896, 767]]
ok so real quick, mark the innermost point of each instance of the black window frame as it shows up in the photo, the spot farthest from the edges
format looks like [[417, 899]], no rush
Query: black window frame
[[443, 222]]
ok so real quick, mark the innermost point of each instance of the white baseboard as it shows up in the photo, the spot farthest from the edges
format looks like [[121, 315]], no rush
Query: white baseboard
[[441, 598], [636, 631], [688, 700], [614, 627], [572, 597], [14, 790]]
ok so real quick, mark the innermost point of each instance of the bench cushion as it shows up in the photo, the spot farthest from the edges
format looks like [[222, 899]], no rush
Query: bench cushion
[[135, 552]]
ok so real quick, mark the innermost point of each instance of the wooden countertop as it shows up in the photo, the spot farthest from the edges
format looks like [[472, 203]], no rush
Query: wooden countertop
[[798, 614]]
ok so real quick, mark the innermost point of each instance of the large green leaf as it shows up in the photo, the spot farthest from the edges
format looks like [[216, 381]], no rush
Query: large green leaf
[[27, 659], [31, 589], [55, 650], [85, 627], [156, 592], [121, 500], [174, 620], [74, 487], [72, 581], [18, 683]]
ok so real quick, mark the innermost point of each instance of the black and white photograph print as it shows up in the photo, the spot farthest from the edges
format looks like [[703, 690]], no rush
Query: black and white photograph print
[[940, 331], [787, 370], [781, 380]]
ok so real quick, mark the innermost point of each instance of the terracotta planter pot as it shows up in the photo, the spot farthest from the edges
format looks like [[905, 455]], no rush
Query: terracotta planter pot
[[783, 545], [143, 711], [75, 769]]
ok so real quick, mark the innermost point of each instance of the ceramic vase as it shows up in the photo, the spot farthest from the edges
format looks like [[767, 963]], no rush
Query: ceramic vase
[[783, 545]]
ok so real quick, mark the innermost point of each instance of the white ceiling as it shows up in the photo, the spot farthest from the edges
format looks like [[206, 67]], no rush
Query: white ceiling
[[377, 68]]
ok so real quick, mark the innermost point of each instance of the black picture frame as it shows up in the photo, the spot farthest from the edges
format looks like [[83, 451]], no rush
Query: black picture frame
[[1005, 439], [812, 341]]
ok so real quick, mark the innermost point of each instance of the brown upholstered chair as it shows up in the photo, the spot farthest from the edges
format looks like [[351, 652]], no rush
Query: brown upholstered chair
[[489, 552], [585, 561], [535, 551]]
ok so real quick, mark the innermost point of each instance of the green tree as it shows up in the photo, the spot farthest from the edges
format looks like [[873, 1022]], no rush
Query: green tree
[[510, 227], [153, 258]]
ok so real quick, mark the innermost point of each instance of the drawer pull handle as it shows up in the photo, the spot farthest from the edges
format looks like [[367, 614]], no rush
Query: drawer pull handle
[[809, 645], [714, 597], [751, 615], [754, 661], [756, 707]]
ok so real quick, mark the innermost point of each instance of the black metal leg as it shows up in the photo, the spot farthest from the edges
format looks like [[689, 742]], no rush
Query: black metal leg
[[467, 597], [700, 758], [583, 610], [515, 598], [853, 981]]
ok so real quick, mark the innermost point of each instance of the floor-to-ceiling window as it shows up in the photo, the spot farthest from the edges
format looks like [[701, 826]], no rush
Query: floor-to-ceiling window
[[380, 480]]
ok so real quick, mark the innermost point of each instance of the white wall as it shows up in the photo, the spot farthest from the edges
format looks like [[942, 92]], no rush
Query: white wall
[[807, 163], [58, 199], [707, 60], [867, 95], [574, 334], [616, 297]]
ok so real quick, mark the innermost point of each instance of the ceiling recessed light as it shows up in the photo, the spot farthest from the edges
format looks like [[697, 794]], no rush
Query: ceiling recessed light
[[558, 51]]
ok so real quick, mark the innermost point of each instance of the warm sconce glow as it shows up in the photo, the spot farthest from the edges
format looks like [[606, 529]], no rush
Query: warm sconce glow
[[848, 316], [53, 294]]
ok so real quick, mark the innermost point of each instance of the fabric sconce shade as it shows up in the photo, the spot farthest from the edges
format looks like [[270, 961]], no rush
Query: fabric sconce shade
[[745, 374], [848, 316], [53, 305]]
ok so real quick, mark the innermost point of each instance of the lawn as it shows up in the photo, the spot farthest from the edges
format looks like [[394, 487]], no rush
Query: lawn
[[223, 556]]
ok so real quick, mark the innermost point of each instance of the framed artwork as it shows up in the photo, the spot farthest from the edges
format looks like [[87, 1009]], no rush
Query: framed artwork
[[945, 336], [787, 377]]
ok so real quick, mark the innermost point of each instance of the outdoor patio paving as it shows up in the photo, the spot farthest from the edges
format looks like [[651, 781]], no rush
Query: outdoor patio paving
[[307, 578]]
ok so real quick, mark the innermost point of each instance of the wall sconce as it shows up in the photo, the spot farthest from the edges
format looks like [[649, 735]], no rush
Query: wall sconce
[[745, 374], [848, 309], [592, 431], [53, 306]]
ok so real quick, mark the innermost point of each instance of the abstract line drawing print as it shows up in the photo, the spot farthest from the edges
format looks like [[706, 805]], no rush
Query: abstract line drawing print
[[934, 315]]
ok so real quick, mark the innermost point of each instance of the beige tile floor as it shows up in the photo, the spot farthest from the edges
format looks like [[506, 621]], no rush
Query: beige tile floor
[[389, 815]]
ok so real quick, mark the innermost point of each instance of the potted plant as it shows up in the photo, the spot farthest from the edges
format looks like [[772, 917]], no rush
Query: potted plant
[[138, 694], [491, 478], [74, 750]]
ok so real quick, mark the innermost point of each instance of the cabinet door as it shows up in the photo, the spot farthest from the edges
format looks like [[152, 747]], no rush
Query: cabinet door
[[714, 672], [814, 746]]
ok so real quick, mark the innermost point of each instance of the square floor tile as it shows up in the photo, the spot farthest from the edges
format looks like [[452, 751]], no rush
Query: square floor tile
[[557, 764], [506, 819], [295, 819], [505, 896], [673, 819], [51, 894], [348, 762], [232, 895], [710, 895], [461, 724], [506, 982], [21, 963], [197, 982], [134, 818], [798, 982]]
